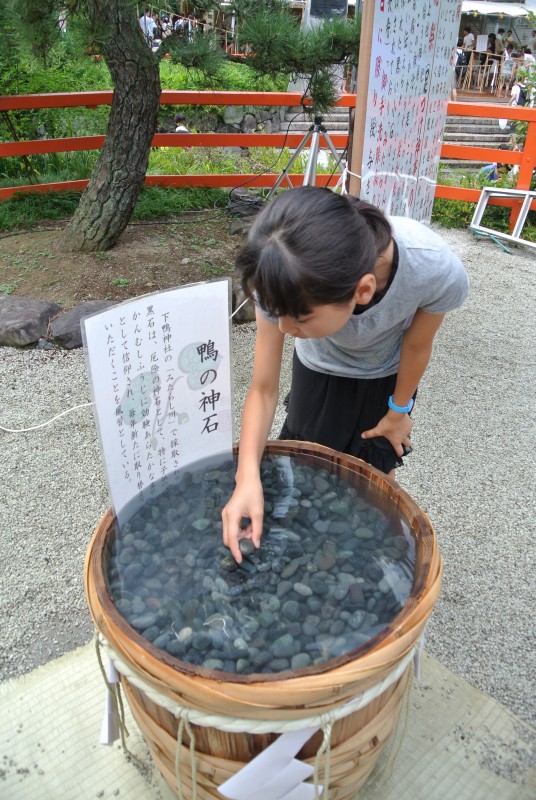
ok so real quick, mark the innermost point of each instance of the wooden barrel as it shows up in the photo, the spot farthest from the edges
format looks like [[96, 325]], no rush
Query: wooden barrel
[[356, 740]]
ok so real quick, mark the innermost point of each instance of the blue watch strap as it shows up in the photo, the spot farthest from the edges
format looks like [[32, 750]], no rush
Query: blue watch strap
[[400, 409]]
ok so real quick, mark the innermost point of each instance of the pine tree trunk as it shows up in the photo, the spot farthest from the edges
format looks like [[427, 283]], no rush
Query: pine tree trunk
[[106, 205]]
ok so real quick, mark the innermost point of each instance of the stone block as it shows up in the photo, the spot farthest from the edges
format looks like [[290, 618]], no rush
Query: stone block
[[66, 330], [24, 321]]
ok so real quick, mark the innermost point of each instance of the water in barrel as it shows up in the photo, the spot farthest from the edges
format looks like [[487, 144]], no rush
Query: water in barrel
[[334, 569]]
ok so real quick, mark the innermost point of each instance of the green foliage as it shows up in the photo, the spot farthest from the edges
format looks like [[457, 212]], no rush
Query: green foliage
[[28, 210], [7, 288], [201, 52], [195, 161], [161, 203], [31, 210], [38, 26]]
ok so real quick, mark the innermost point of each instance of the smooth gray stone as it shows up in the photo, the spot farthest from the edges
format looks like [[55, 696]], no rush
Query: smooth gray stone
[[364, 533], [151, 633], [131, 573], [247, 548], [24, 321], [291, 568], [340, 591], [279, 664], [291, 610], [201, 524], [300, 661], [66, 329], [201, 641], [303, 590], [356, 620], [213, 663], [283, 588], [161, 641], [143, 622], [284, 646]]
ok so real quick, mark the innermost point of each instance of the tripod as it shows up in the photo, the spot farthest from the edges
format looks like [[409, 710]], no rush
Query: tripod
[[318, 130]]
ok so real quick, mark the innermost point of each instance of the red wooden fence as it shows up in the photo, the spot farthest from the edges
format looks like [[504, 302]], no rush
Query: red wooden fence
[[525, 159]]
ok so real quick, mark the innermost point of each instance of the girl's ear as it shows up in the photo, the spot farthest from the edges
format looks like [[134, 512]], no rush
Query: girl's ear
[[364, 291]]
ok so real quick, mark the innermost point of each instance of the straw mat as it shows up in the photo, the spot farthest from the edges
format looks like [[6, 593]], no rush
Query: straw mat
[[456, 743]]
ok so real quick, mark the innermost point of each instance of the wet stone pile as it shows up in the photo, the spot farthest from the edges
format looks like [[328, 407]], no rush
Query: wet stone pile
[[333, 570]]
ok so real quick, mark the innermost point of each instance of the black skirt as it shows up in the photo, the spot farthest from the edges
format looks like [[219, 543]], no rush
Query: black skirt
[[334, 411]]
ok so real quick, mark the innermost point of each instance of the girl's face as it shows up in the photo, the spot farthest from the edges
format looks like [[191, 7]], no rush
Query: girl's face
[[327, 319], [323, 321]]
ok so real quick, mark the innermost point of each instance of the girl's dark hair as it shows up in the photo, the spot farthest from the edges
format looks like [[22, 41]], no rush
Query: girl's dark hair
[[310, 247]]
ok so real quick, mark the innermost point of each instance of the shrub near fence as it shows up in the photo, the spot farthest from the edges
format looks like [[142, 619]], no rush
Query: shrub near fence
[[525, 159]]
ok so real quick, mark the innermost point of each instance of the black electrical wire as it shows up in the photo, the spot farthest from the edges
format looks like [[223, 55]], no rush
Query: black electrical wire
[[257, 202]]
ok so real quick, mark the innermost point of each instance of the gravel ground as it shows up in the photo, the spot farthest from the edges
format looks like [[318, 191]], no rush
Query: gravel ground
[[472, 470]]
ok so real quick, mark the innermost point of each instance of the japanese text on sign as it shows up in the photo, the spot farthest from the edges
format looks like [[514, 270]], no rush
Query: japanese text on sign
[[161, 377], [411, 68]]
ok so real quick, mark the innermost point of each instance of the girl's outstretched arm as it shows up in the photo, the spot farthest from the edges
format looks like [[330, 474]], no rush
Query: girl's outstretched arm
[[257, 417], [415, 353]]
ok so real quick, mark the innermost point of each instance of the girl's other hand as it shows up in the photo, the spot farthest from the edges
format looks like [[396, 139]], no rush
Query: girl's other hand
[[396, 428], [247, 502]]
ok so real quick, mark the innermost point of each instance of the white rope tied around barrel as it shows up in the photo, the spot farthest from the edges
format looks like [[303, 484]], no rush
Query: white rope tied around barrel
[[233, 725], [184, 722], [117, 701], [187, 715], [325, 748]]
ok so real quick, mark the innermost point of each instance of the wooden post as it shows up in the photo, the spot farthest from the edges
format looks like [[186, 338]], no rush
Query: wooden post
[[363, 72]]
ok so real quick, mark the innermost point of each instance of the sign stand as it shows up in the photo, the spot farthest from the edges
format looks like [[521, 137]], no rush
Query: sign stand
[[318, 130]]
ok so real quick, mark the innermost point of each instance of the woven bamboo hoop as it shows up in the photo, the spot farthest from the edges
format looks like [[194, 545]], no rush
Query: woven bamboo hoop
[[356, 740]]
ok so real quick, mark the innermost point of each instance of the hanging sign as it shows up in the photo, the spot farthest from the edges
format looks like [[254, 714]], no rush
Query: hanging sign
[[160, 370], [411, 55]]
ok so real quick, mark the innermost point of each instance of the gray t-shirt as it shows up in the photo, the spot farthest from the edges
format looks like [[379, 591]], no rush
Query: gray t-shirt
[[429, 276]]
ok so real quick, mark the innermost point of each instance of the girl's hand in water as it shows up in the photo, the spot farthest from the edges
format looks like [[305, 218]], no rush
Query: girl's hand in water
[[396, 428], [247, 502]]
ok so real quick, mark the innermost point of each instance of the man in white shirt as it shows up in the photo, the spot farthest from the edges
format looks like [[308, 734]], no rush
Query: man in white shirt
[[468, 39], [147, 25]]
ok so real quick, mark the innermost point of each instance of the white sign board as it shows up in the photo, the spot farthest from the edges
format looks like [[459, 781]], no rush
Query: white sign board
[[160, 369], [411, 73]]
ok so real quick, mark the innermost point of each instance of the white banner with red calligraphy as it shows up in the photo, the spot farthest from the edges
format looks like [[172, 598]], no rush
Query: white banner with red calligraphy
[[411, 74], [160, 370]]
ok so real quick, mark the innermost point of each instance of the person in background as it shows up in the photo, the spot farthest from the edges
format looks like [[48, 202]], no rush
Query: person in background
[[147, 26], [491, 173], [500, 38], [506, 73], [462, 60], [518, 94], [528, 58], [468, 39], [166, 25], [180, 126]]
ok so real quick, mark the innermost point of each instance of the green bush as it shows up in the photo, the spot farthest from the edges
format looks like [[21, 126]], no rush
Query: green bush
[[29, 210]]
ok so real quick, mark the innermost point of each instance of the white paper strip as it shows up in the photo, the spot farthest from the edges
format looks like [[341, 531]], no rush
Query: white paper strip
[[292, 775], [263, 771], [110, 723]]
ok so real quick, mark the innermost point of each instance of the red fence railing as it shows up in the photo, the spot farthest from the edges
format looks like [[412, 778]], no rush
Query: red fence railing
[[526, 159]]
